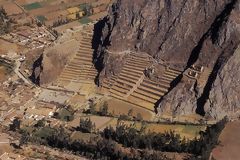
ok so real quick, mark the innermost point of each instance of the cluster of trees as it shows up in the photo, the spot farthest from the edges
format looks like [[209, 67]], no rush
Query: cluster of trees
[[15, 125], [97, 148], [66, 113], [88, 10], [129, 136], [106, 144], [60, 22], [103, 110], [8, 65], [130, 116], [5, 24], [86, 126], [209, 139]]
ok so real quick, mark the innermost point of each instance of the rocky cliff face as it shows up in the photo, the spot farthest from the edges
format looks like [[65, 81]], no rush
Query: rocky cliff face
[[167, 30], [49, 65], [224, 96], [179, 33]]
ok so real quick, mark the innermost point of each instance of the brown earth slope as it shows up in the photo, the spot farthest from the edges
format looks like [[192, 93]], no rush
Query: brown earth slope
[[229, 143]]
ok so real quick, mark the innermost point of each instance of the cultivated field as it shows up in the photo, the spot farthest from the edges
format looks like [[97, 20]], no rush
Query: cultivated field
[[51, 11], [82, 136], [187, 131], [117, 107], [100, 122], [11, 8]]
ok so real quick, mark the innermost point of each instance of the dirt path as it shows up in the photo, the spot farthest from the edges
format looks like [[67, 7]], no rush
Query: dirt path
[[105, 124], [20, 75]]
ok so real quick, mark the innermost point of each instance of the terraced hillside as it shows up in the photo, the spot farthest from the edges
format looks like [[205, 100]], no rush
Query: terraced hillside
[[80, 68], [149, 92], [133, 86]]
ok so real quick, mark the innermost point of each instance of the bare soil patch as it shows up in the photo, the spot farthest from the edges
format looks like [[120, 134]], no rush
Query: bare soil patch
[[12, 9], [229, 146], [3, 74], [6, 47]]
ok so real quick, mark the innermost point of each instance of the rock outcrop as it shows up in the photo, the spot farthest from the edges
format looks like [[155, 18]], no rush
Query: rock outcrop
[[179, 33], [167, 30], [48, 66], [215, 52], [224, 98]]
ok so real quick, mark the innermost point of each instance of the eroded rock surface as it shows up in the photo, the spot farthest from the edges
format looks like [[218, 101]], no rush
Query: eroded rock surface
[[224, 98], [167, 30], [179, 33], [49, 65]]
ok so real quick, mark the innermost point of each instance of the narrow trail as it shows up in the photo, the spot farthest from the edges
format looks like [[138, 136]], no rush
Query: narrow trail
[[19, 74]]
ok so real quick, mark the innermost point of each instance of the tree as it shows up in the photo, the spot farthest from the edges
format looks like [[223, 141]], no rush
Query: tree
[[15, 125], [139, 117], [40, 123], [104, 109], [123, 117], [92, 108], [143, 127], [5, 22], [3, 12], [130, 112], [59, 139], [78, 15], [87, 10], [55, 32], [24, 138], [86, 125]]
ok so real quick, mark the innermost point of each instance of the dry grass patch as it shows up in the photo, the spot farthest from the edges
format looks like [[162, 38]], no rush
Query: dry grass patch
[[187, 131], [12, 9], [117, 107], [3, 75], [85, 137], [6, 47]]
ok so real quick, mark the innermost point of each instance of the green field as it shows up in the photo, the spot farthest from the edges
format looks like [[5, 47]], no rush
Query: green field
[[32, 6], [41, 18], [85, 20], [188, 131], [83, 6], [85, 137]]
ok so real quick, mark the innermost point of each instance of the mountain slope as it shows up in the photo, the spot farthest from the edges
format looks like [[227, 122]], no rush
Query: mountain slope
[[178, 34]]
